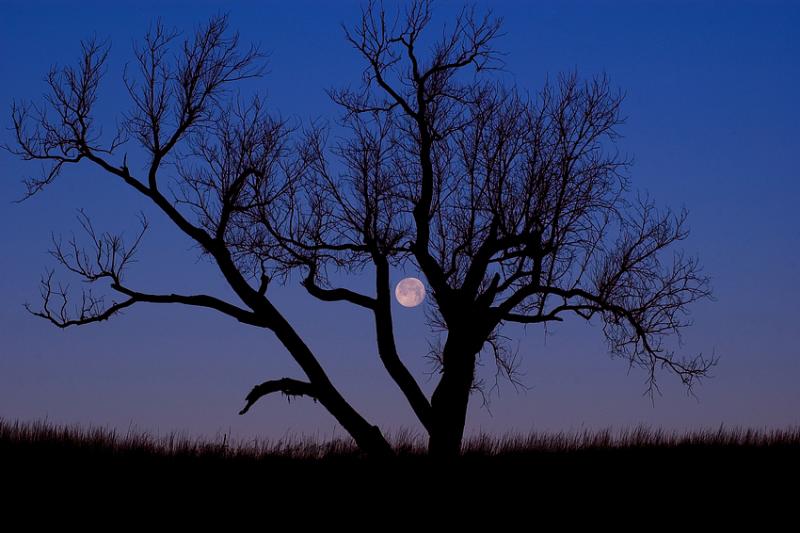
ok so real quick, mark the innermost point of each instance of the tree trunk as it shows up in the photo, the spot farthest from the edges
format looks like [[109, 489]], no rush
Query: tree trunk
[[450, 399], [367, 436]]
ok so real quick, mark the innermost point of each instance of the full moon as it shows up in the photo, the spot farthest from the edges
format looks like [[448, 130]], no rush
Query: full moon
[[409, 292]]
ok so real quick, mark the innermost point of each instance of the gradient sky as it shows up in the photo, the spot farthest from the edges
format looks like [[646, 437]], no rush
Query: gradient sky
[[712, 123]]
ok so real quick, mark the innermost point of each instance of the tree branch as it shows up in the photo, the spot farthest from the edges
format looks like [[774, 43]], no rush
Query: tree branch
[[387, 347], [528, 319], [198, 300], [288, 386], [338, 294]]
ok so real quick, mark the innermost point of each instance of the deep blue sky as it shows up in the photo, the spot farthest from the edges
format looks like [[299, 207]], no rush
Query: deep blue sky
[[712, 125]]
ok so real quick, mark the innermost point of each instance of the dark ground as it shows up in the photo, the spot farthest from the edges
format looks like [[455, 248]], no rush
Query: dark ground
[[745, 472]]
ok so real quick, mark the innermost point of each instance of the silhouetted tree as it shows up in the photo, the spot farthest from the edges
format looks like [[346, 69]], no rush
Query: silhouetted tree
[[514, 208]]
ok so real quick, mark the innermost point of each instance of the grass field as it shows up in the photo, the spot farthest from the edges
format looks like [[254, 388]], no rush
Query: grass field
[[40, 443], [133, 471], [516, 477]]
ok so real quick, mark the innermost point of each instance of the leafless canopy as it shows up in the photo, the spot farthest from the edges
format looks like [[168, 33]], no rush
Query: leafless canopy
[[174, 98], [516, 208]]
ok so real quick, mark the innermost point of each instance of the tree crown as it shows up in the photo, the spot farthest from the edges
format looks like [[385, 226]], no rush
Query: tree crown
[[516, 208]]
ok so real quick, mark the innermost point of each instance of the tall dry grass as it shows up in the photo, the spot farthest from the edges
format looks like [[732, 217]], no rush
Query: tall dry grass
[[45, 436]]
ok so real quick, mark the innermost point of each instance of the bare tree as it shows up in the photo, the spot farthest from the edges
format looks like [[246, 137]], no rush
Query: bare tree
[[514, 208], [231, 159]]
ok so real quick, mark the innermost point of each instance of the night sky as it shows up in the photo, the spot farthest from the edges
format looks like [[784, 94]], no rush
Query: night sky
[[712, 125]]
